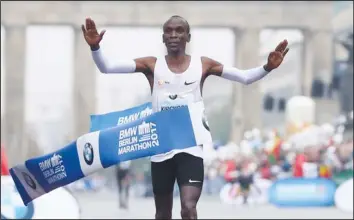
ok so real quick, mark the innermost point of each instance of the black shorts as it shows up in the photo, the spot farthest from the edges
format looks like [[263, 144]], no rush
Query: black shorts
[[186, 168]]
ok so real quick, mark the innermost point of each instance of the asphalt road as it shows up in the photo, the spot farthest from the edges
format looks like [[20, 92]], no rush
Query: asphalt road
[[104, 205]]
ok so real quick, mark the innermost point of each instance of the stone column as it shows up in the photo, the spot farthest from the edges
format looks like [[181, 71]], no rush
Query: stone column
[[318, 62], [307, 62], [84, 92], [323, 55], [12, 125], [247, 98]]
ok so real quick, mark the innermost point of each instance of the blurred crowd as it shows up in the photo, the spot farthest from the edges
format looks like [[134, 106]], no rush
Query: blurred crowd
[[314, 151]]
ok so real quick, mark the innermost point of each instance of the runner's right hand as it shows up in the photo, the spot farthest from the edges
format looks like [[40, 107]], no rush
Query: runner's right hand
[[91, 35]]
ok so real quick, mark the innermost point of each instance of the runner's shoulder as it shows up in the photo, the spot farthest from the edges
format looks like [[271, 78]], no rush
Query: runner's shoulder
[[208, 60], [208, 64], [146, 60], [146, 64]]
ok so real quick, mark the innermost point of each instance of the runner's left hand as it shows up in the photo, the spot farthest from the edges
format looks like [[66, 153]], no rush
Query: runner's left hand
[[276, 57]]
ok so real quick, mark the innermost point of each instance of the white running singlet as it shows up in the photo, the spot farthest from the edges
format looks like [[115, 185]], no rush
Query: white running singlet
[[173, 90]]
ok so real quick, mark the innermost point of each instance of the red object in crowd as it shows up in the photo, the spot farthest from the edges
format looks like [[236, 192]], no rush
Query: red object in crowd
[[4, 164], [265, 172], [300, 159], [277, 148], [230, 167]]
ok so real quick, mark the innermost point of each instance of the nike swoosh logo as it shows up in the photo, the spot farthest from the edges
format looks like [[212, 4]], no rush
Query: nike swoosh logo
[[190, 83], [194, 181]]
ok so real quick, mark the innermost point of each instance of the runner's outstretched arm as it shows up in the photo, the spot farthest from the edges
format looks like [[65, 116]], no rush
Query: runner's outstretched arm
[[106, 65], [248, 76]]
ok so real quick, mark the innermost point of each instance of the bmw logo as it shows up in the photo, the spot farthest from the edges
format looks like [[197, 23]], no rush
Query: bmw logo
[[173, 97], [12, 206], [205, 122], [29, 180], [88, 153]]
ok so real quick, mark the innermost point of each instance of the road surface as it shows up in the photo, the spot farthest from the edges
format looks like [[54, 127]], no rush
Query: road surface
[[104, 205]]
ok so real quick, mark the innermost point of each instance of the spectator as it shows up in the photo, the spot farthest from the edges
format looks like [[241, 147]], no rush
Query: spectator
[[300, 159], [123, 170], [230, 172], [265, 170]]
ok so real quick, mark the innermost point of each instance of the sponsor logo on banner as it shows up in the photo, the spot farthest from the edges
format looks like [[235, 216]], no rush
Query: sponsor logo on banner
[[135, 116], [53, 169], [88, 153], [112, 119], [28, 179], [344, 196], [302, 192], [139, 137], [59, 204]]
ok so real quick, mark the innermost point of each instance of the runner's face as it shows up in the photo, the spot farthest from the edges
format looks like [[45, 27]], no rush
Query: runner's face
[[175, 35]]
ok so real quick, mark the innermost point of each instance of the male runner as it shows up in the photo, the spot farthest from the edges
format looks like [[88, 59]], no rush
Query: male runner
[[176, 80]]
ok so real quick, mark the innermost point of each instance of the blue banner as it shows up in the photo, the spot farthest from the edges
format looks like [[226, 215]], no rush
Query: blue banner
[[144, 137], [112, 119], [302, 192]]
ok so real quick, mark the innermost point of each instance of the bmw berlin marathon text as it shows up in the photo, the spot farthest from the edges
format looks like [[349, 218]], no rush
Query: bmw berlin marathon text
[[135, 116], [53, 169], [136, 138]]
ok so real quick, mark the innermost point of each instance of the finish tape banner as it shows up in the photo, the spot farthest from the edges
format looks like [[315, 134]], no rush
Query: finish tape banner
[[58, 204], [302, 192], [112, 119], [155, 134]]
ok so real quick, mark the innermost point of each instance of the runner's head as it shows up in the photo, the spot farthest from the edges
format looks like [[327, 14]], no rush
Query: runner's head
[[176, 34]]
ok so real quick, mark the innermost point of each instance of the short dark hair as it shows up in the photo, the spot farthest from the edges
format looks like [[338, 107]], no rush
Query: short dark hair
[[182, 18]]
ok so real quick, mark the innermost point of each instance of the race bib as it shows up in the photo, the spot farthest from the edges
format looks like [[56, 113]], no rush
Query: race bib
[[172, 101]]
